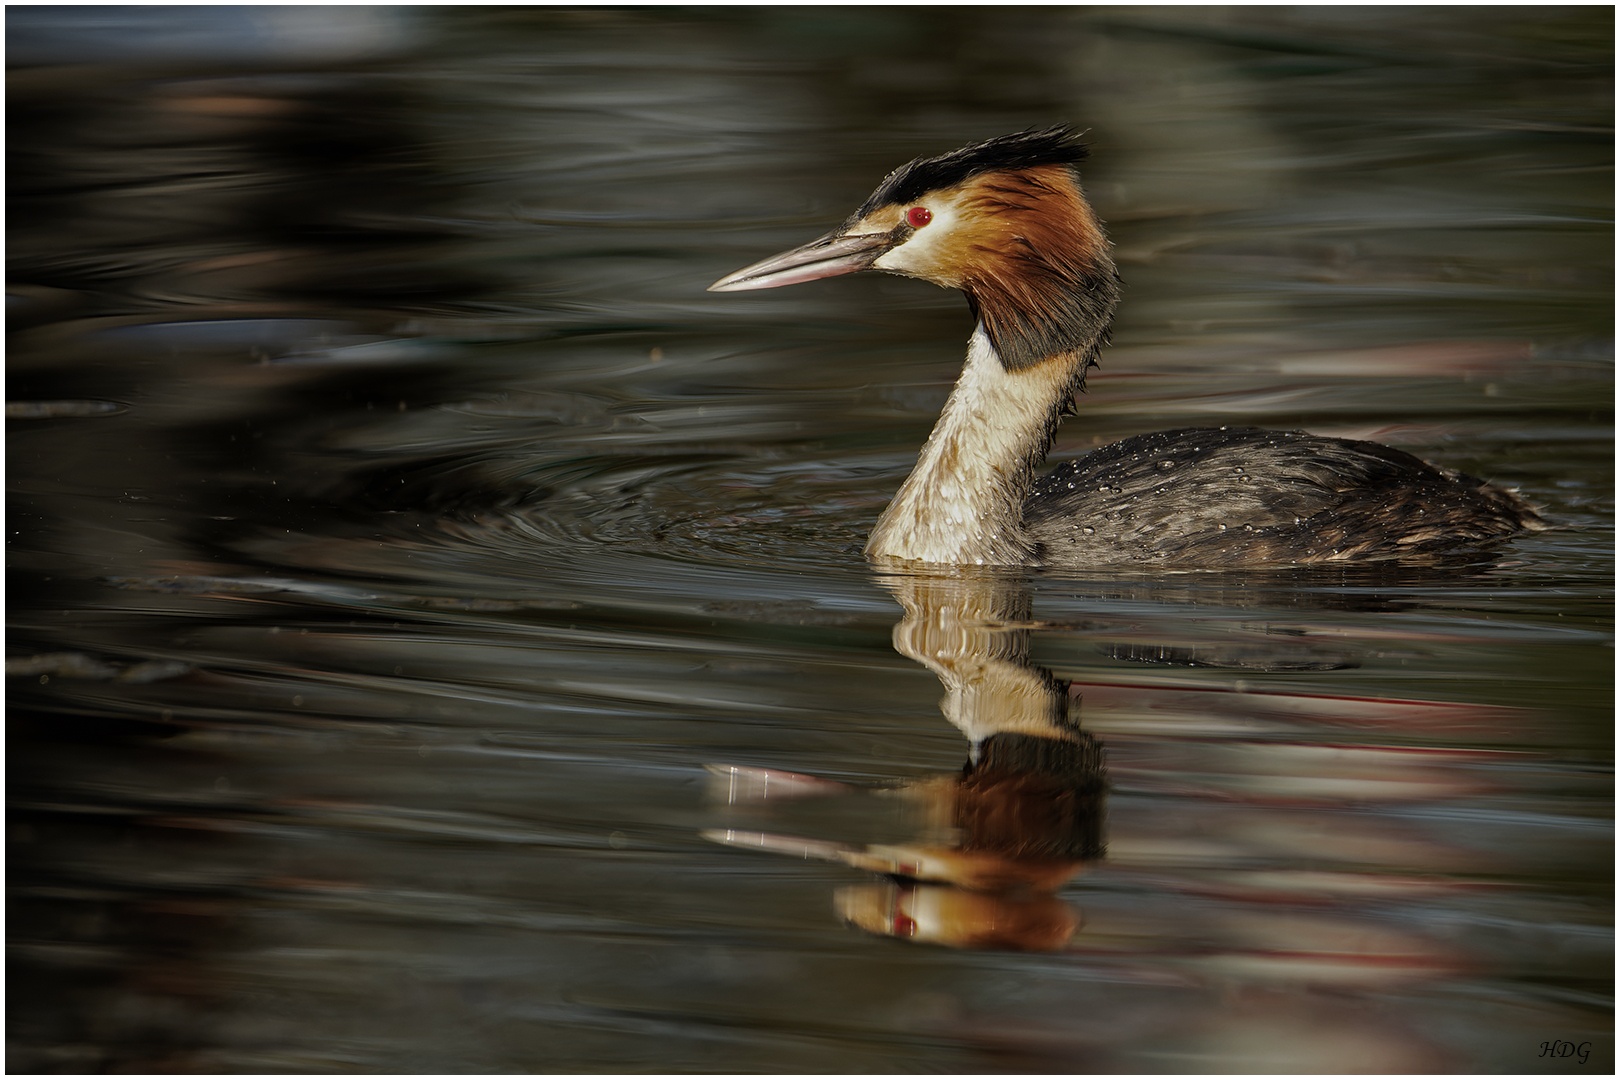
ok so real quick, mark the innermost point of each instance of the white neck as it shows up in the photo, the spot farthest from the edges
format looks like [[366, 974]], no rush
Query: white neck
[[964, 502]]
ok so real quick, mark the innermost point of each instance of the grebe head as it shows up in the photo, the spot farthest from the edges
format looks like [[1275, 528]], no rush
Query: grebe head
[[1003, 220]]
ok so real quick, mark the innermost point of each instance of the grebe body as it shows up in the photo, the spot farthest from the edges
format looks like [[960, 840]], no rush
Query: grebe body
[[1246, 497], [1005, 221]]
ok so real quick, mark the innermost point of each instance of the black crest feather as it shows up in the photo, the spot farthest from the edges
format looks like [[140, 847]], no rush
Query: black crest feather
[[1022, 150]]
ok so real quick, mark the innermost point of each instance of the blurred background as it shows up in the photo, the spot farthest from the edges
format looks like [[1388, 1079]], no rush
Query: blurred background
[[397, 530]]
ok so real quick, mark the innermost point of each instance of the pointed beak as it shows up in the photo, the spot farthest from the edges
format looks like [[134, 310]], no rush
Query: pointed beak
[[827, 256]]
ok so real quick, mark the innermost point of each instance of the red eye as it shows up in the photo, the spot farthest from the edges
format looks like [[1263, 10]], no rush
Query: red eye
[[918, 216]]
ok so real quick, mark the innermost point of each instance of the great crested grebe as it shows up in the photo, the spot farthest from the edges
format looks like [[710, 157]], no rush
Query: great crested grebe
[[1005, 221]]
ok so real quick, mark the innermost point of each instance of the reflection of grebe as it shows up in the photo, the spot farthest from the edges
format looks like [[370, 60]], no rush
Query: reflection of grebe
[[999, 839], [1005, 222]]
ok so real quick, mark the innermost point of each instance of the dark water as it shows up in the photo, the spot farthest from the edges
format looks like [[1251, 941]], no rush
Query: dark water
[[398, 530]]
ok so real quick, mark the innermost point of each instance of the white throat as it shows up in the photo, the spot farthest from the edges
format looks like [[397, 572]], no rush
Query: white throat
[[964, 502]]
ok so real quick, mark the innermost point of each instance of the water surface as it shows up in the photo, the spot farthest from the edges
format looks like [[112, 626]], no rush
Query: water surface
[[398, 531]]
